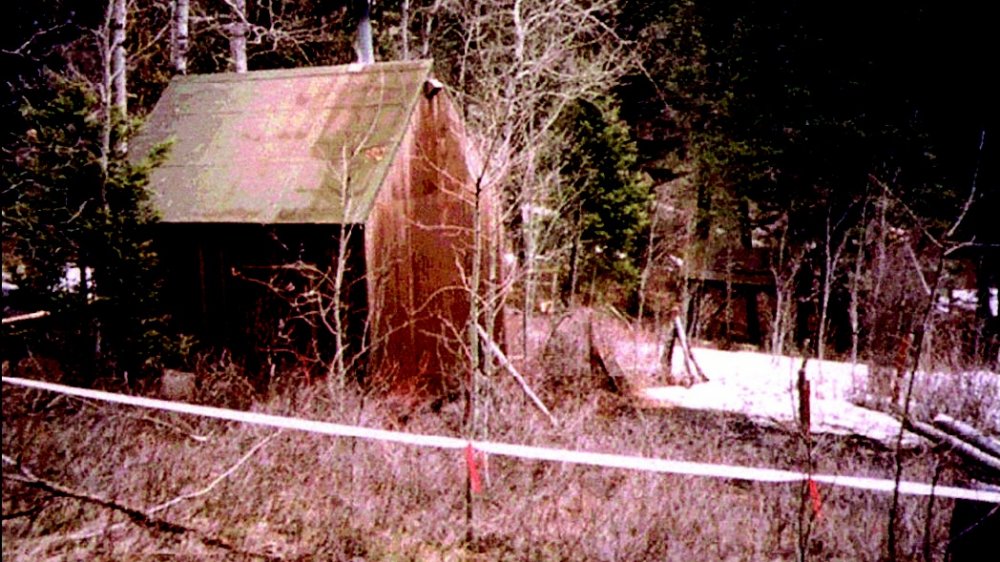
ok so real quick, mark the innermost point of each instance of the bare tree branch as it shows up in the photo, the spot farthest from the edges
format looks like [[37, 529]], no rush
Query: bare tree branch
[[142, 518]]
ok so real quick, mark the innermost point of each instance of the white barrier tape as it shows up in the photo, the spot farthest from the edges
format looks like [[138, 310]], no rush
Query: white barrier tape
[[522, 451]]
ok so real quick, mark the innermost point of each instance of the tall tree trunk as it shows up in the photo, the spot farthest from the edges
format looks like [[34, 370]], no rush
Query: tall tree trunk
[[572, 278], [404, 29], [182, 11], [855, 284], [826, 287], [238, 36], [363, 41], [832, 252], [118, 70]]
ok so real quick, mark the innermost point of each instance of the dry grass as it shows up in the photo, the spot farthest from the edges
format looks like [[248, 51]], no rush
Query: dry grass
[[304, 497]]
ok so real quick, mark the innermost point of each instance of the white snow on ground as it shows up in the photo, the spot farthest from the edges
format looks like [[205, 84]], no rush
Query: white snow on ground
[[763, 387]]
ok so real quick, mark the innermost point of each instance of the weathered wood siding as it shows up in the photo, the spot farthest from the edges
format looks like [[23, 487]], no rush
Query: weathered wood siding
[[217, 289], [421, 248]]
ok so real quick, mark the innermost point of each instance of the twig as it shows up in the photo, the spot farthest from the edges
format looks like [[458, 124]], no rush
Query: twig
[[972, 191], [215, 481], [168, 425], [23, 317]]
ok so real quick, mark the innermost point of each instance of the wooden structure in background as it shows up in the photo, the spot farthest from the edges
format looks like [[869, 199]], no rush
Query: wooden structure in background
[[730, 281], [280, 168]]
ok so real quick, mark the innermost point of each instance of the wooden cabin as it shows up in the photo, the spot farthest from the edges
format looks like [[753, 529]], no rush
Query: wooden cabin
[[317, 211]]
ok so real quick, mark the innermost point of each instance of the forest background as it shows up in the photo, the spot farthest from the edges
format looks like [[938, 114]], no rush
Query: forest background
[[634, 143]]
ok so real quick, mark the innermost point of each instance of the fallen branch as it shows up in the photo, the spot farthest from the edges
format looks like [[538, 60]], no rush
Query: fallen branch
[[29, 478], [499, 354], [961, 447], [184, 497], [144, 518], [967, 433]]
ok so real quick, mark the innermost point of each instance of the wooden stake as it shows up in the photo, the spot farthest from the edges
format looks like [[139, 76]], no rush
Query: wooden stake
[[805, 409], [692, 367]]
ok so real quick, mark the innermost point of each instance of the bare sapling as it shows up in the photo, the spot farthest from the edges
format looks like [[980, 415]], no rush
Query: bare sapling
[[944, 245]]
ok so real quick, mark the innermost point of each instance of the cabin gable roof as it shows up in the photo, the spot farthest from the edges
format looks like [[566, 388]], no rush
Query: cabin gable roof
[[280, 146]]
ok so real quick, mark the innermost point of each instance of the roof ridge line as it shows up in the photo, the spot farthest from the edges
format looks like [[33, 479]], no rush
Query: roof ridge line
[[307, 71]]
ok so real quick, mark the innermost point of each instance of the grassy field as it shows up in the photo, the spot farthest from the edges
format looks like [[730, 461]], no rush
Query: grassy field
[[207, 489]]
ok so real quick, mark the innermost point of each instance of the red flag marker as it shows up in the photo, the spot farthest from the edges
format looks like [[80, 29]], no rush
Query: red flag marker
[[470, 463], [817, 502]]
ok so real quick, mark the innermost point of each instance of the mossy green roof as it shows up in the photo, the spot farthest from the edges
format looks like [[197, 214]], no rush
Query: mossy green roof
[[280, 146]]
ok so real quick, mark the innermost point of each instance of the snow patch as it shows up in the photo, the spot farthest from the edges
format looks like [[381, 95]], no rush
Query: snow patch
[[763, 387]]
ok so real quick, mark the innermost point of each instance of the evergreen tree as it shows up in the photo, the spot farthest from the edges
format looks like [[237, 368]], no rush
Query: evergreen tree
[[76, 234], [612, 198]]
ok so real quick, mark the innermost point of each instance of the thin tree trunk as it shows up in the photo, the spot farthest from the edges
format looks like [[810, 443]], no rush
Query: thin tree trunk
[[831, 254], [363, 42], [427, 29], [404, 29], [782, 294], [182, 12], [340, 266], [914, 361], [528, 235], [238, 36], [648, 266], [667, 353], [826, 287], [118, 70], [107, 78], [854, 286], [572, 280]]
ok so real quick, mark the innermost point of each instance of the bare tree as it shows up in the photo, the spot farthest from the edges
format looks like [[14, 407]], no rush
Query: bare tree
[[785, 265], [520, 65], [833, 251], [943, 245]]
